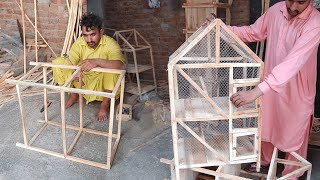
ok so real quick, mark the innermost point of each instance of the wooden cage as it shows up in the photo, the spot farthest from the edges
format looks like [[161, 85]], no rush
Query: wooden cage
[[207, 129], [133, 43], [68, 147]]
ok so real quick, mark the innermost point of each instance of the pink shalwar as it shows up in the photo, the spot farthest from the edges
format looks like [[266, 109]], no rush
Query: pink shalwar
[[289, 85]]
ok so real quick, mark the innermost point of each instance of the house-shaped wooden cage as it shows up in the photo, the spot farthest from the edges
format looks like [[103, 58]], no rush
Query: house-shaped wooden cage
[[208, 130]]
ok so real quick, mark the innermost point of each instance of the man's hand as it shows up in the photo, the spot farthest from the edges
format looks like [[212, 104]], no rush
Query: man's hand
[[245, 97], [88, 64]]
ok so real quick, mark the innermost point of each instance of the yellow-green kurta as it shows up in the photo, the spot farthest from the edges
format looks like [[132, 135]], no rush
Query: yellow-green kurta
[[107, 49]]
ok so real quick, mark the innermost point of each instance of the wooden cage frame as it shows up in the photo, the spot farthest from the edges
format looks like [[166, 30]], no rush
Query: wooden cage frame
[[196, 12], [303, 165], [174, 68], [111, 151], [140, 43]]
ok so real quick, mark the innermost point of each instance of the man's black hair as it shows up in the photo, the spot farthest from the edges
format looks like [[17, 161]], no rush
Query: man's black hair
[[91, 20]]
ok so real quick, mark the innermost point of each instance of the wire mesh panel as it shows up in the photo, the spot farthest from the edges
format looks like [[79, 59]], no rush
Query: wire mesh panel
[[213, 134], [208, 130]]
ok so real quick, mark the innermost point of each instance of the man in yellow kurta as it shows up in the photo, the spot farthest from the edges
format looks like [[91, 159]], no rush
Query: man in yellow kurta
[[92, 49]]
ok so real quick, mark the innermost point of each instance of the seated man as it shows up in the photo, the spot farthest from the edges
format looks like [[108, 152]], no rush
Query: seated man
[[92, 49]]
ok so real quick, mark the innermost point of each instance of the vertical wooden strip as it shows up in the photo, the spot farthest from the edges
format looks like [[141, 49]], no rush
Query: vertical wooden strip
[[137, 73], [153, 71], [111, 119], [273, 164], [209, 42], [63, 123], [218, 41], [24, 37], [121, 105], [175, 84], [231, 110], [23, 116], [35, 29], [135, 37], [81, 102], [45, 94], [173, 119]]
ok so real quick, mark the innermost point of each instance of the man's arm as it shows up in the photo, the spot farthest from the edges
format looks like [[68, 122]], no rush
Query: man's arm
[[302, 51], [89, 64], [283, 72], [254, 32]]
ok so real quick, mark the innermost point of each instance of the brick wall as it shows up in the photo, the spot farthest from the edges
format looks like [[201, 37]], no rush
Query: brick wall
[[52, 20], [161, 27]]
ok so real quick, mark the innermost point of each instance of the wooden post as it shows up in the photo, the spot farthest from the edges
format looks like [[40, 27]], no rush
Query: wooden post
[[23, 116], [81, 102], [111, 119], [45, 95], [35, 29], [24, 38], [63, 121]]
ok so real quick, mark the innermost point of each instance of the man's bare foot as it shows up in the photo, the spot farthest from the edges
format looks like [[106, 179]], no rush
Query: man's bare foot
[[73, 98], [102, 113]]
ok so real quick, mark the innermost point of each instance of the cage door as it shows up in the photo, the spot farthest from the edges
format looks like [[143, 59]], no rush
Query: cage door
[[244, 144]]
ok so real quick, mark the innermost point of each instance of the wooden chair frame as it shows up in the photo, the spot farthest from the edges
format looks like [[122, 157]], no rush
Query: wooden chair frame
[[111, 151], [234, 133]]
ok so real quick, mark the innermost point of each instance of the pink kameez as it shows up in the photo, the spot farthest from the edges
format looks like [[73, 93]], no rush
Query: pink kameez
[[289, 84]]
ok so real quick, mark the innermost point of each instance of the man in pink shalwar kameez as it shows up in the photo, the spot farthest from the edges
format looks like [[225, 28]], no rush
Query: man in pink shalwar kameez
[[292, 30]]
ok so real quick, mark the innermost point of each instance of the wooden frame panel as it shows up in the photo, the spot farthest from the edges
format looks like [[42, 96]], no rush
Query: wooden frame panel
[[63, 125]]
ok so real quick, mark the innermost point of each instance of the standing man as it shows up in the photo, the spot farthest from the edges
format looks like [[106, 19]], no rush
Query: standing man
[[92, 49], [292, 30]]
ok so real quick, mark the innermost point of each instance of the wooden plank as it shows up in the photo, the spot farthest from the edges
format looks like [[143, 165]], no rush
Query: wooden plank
[[86, 130], [23, 116], [44, 125], [173, 120], [55, 154], [75, 140], [71, 78], [206, 5], [273, 164], [111, 119], [141, 68], [219, 174], [216, 65], [197, 152], [63, 123], [106, 70], [217, 43], [60, 88], [188, 108]]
